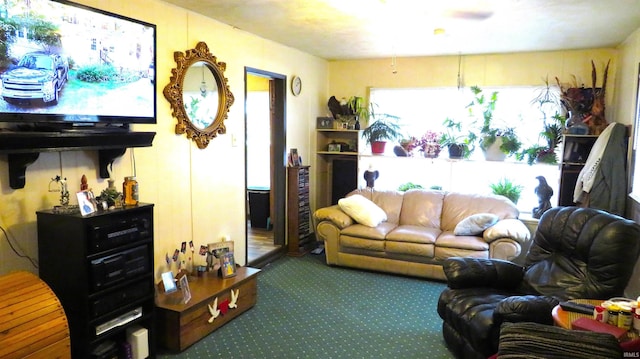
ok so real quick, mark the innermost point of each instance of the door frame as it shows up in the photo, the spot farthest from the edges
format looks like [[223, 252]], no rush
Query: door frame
[[278, 118]]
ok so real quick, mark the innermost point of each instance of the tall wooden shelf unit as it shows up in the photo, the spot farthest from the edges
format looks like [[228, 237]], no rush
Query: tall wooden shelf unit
[[298, 211], [337, 170], [575, 151]]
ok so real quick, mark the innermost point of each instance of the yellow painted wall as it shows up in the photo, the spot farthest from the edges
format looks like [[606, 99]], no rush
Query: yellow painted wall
[[355, 77], [198, 194]]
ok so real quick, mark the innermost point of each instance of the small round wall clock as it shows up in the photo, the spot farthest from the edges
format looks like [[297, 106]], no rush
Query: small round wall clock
[[296, 85]]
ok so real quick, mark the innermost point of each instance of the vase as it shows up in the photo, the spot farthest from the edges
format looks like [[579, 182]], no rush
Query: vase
[[493, 152], [377, 147], [356, 126], [431, 150], [456, 151]]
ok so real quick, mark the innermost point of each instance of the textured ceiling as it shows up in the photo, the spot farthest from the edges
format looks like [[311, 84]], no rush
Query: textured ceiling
[[350, 29]]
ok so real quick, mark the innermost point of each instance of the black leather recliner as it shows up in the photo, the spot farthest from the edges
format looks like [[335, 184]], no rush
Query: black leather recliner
[[575, 253]]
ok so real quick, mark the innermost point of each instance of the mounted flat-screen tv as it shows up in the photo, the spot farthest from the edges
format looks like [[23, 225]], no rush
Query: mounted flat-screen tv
[[66, 65]]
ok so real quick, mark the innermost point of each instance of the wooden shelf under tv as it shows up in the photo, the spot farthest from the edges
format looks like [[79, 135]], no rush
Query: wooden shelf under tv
[[23, 148]]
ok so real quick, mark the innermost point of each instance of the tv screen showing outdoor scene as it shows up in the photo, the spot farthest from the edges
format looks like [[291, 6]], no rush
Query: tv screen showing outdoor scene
[[62, 62]]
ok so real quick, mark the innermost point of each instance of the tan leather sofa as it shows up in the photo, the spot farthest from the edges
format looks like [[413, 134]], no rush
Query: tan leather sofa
[[418, 233]]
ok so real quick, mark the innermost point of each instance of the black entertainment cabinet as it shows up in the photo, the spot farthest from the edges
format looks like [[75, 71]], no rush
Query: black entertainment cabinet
[[100, 266]]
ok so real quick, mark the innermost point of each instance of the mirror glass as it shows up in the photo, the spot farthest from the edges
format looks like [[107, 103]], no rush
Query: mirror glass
[[199, 94]]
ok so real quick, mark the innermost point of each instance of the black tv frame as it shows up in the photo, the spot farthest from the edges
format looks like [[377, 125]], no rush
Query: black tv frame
[[30, 120]]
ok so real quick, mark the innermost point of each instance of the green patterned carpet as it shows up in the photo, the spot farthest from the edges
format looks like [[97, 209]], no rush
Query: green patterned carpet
[[307, 309]]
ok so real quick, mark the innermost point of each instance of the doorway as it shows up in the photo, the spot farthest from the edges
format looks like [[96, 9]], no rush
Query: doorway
[[265, 177]]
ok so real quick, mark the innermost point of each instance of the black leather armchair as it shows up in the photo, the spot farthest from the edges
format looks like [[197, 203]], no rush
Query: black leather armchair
[[575, 253]]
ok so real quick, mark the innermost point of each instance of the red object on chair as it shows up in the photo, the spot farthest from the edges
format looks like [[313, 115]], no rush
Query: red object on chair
[[596, 326]]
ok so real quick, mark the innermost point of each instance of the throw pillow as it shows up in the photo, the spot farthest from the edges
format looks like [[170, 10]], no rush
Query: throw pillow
[[362, 210], [475, 224], [508, 228]]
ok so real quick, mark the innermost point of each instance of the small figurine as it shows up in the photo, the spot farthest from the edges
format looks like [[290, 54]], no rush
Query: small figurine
[[83, 183], [544, 193], [371, 175], [64, 192]]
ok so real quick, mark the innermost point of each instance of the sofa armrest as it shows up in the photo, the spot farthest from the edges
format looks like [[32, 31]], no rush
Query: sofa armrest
[[465, 272], [333, 214], [512, 228], [525, 308]]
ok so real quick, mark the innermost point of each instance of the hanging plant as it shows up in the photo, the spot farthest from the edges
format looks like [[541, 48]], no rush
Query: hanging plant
[[487, 133]]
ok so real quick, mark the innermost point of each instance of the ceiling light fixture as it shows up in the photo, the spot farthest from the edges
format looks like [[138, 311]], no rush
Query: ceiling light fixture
[[394, 68]]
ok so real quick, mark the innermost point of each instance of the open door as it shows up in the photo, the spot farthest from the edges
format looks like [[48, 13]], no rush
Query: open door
[[265, 151]]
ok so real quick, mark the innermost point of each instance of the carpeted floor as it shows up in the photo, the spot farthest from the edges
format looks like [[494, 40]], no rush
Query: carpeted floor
[[307, 309]]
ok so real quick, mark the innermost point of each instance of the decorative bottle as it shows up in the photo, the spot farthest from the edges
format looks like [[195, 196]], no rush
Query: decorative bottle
[[130, 191]]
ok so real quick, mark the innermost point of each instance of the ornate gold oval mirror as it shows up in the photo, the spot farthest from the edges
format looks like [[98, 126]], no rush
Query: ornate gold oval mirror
[[199, 94]]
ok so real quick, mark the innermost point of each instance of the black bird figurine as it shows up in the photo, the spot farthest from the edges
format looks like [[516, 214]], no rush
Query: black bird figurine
[[544, 193], [371, 175]]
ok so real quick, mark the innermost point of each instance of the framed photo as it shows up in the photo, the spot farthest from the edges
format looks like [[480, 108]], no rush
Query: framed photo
[[168, 282], [324, 123], [184, 287], [334, 147], [86, 202], [293, 159], [227, 265], [215, 252]]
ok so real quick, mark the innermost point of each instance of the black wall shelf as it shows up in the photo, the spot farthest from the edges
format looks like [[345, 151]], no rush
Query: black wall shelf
[[23, 148]]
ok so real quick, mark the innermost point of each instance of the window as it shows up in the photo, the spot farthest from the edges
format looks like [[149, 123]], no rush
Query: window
[[422, 109]]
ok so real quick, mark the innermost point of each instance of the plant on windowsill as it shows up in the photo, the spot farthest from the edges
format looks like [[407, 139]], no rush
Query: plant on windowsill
[[507, 188], [552, 134], [455, 140], [408, 144], [552, 129], [429, 144], [505, 139], [383, 128], [359, 109]]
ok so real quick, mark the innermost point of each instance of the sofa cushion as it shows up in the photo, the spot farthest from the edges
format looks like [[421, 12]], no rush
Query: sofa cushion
[[458, 206], [378, 233], [475, 224], [389, 201], [412, 249], [450, 240], [413, 234], [362, 210], [422, 208], [361, 243]]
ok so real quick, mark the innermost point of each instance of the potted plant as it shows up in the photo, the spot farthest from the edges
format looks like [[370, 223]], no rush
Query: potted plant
[[430, 144], [458, 144], [552, 129], [359, 109], [496, 142], [409, 144], [383, 128], [407, 186], [552, 135], [507, 188]]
